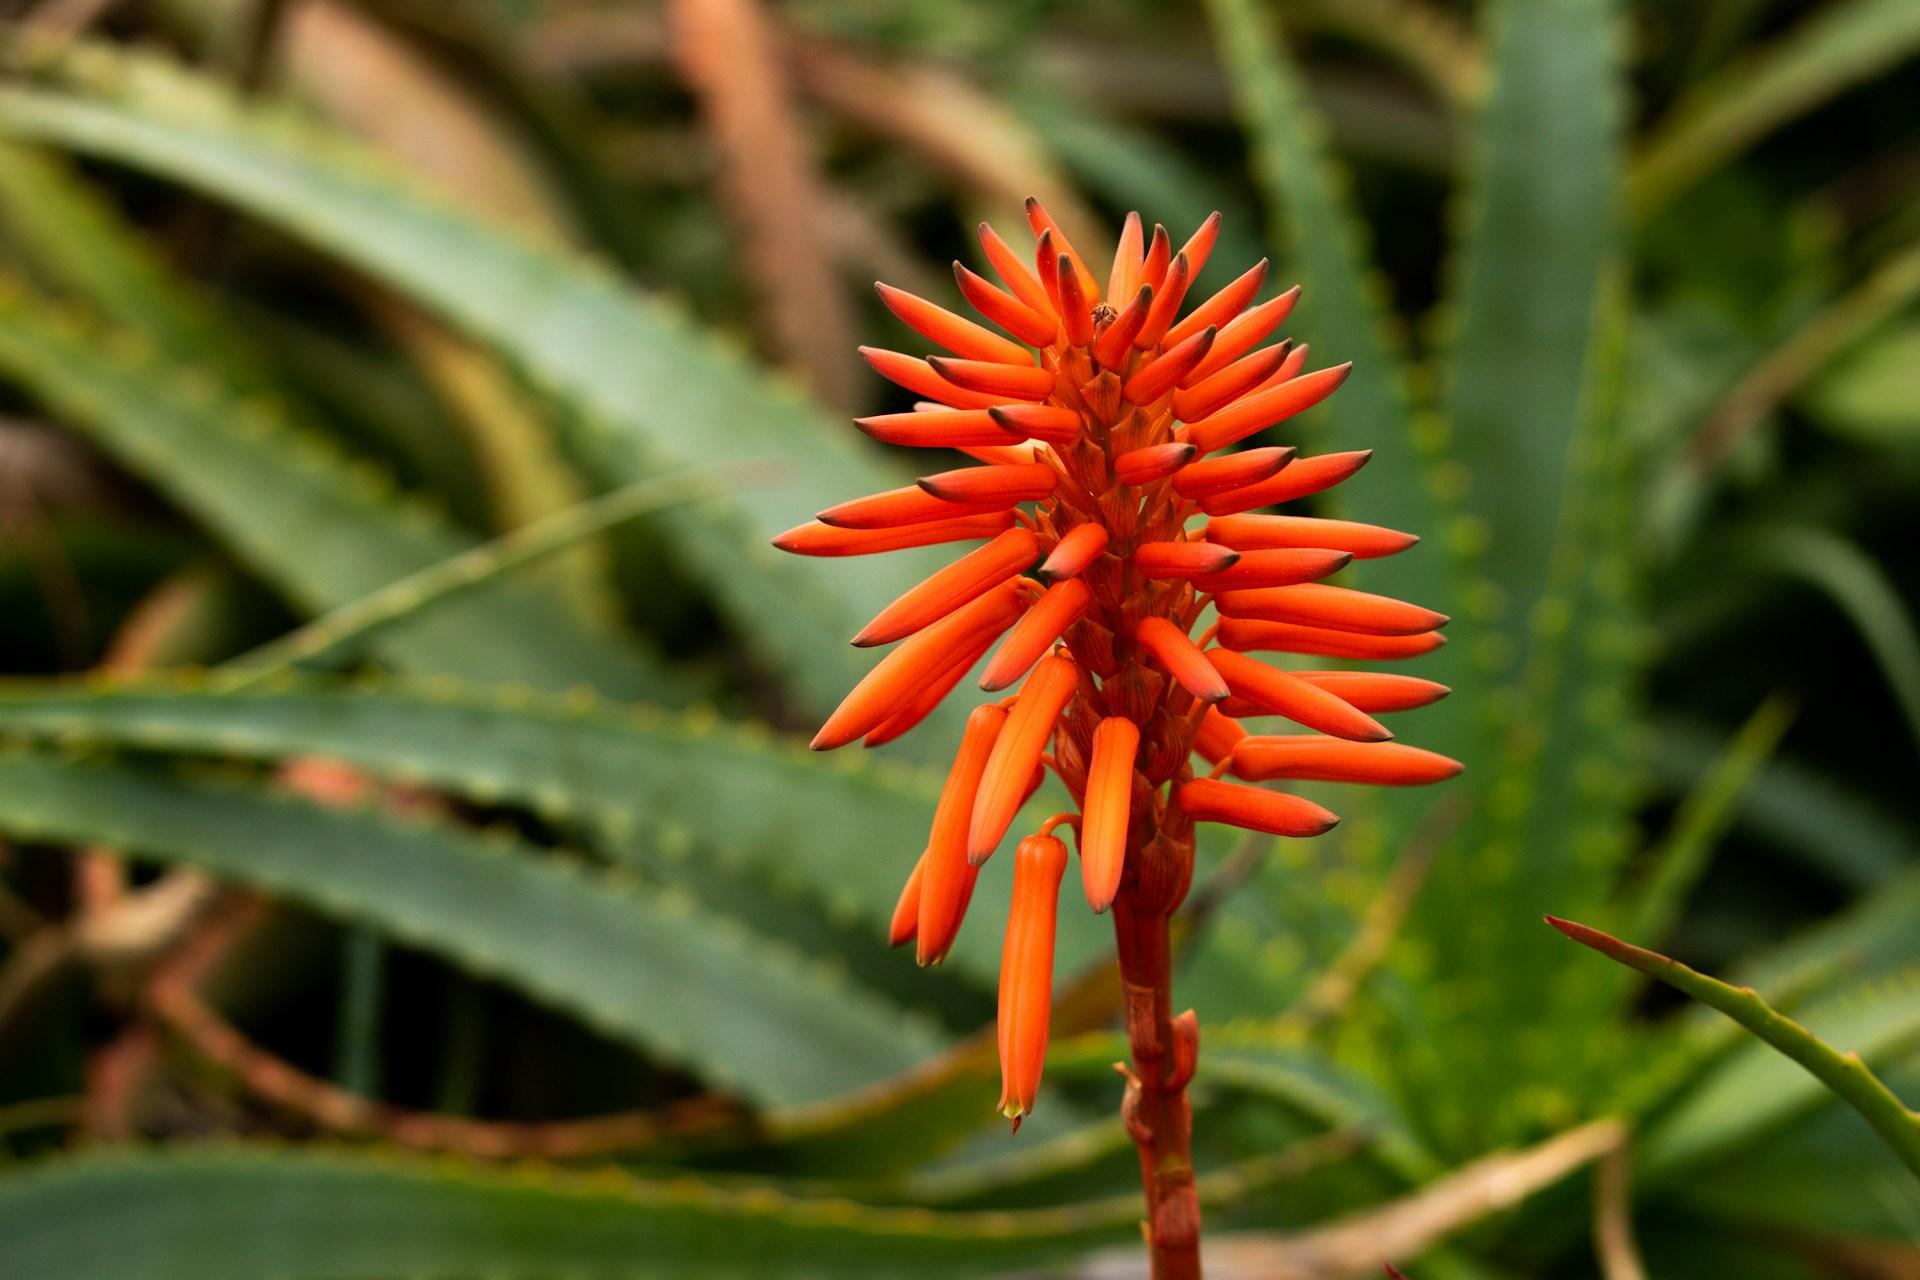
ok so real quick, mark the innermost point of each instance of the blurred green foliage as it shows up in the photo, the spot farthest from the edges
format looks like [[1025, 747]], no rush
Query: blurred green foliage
[[509, 930]]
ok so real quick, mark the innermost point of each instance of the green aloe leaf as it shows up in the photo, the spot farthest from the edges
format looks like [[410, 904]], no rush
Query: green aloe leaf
[[641, 965], [239, 1213], [318, 526], [648, 392], [842, 829], [1540, 214], [1750, 1092]]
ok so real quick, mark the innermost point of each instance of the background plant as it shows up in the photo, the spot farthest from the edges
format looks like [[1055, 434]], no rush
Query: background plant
[[519, 863]]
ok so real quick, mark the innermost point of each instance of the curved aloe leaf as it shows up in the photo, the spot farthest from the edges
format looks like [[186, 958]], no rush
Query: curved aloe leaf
[[645, 966], [238, 1213], [1739, 1100], [293, 508], [842, 829], [650, 392]]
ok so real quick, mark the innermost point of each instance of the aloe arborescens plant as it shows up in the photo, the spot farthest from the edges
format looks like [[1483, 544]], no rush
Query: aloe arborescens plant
[[1115, 435]]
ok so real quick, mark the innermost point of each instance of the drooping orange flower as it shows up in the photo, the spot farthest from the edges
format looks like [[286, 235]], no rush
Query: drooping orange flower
[[1114, 513]]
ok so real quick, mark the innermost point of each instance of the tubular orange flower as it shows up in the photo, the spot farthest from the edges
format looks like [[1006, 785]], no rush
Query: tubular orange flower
[[1026, 972], [946, 882], [1100, 414], [1056, 610], [1103, 830]]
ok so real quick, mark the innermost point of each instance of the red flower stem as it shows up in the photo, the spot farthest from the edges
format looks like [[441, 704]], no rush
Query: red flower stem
[[1155, 1107]]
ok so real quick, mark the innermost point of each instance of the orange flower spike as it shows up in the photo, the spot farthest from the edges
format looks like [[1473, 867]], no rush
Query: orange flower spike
[[1205, 394], [1232, 471], [1104, 815], [1112, 347], [1182, 658], [906, 912], [1222, 306], [1261, 410], [1312, 758], [999, 381], [1026, 972], [1149, 381], [1274, 812], [1286, 637], [928, 654], [1253, 533], [993, 486], [939, 429], [1074, 552], [1031, 293], [1040, 421], [1279, 567], [966, 579], [1245, 332], [816, 539], [919, 377], [1374, 691], [1182, 559], [1155, 462], [947, 881], [1335, 608], [1043, 225], [1220, 734], [1060, 607], [1284, 694], [1018, 749], [899, 507], [1199, 246], [1076, 308], [1128, 252], [1302, 476], [996, 304], [943, 328], [1168, 294]]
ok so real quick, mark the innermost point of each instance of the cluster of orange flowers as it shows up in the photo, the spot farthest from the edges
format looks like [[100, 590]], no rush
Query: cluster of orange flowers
[[1118, 435]]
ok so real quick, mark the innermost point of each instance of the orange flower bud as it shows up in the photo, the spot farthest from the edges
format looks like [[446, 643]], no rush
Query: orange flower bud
[[1222, 306], [1074, 552], [1000, 381], [1076, 304], [1115, 344], [1026, 972], [1039, 421], [919, 377], [1018, 749], [1335, 608], [1044, 226], [898, 508], [992, 486], [1280, 567], [1230, 471], [1274, 812], [939, 429], [1154, 378], [947, 882], [906, 912], [1284, 694], [1255, 533], [1203, 395], [1059, 608], [1243, 333], [1170, 292], [1219, 734], [1014, 273], [1182, 559], [1103, 817], [1125, 272], [966, 579], [1264, 408], [1144, 466], [1374, 691], [1302, 476], [1310, 757], [815, 539], [1182, 658], [1005, 310], [961, 336], [1288, 637]]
